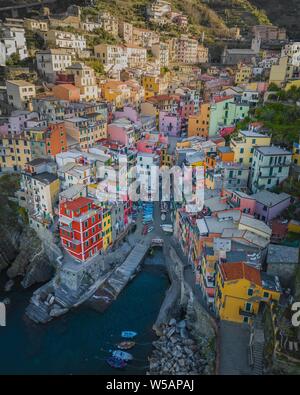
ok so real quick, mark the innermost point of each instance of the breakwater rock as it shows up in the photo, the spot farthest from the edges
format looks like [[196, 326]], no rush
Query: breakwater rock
[[176, 352]]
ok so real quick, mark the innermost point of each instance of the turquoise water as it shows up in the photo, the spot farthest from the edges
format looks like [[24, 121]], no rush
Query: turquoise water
[[79, 342]]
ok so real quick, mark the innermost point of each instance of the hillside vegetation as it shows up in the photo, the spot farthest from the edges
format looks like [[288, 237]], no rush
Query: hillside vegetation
[[215, 17]]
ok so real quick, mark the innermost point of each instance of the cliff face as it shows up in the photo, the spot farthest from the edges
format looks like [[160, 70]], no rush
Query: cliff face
[[22, 254], [21, 251]]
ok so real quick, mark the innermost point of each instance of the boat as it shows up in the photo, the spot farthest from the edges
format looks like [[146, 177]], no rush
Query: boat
[[126, 356], [116, 363], [126, 345], [128, 334]]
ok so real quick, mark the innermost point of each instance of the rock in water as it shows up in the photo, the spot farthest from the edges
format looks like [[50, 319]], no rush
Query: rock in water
[[8, 286]]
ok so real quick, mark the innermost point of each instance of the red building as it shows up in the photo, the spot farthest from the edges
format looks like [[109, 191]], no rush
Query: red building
[[81, 228]]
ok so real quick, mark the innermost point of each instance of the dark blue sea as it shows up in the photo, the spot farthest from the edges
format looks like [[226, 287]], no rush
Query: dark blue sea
[[79, 342]]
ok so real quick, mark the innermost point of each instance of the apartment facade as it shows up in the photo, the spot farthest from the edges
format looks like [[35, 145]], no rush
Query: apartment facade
[[184, 50], [81, 222], [51, 61], [243, 145], [20, 93], [269, 168]]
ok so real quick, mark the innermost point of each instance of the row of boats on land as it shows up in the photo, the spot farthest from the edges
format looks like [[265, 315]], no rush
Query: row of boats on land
[[120, 358]]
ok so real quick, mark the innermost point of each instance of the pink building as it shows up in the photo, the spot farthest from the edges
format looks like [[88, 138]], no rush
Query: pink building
[[241, 201], [128, 113], [169, 124], [151, 142], [121, 130]]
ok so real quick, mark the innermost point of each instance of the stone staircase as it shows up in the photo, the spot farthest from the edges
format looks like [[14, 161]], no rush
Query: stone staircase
[[257, 345]]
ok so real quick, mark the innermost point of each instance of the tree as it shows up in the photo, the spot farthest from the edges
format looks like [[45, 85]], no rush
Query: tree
[[97, 66], [13, 60]]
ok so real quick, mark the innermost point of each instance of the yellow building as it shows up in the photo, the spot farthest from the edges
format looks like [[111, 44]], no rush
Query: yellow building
[[294, 226], [243, 145], [242, 74], [279, 72], [296, 153], [116, 92], [15, 152], [154, 85], [240, 289], [295, 83], [166, 159], [198, 125], [107, 229]]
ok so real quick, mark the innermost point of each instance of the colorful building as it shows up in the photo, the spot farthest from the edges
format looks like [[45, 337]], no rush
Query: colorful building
[[243, 74], [224, 111], [240, 289], [66, 92], [56, 138], [198, 125], [81, 227], [243, 145]]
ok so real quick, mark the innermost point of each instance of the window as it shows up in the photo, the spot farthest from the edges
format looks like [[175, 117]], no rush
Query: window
[[250, 292], [248, 306], [266, 295]]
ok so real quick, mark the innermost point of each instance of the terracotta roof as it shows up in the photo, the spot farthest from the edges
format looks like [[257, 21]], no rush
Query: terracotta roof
[[77, 203], [239, 270], [218, 99]]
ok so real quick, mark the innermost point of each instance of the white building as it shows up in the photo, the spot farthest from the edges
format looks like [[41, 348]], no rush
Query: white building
[[158, 9], [20, 93], [269, 168], [147, 173], [292, 50], [63, 39], [112, 55], [90, 26], [136, 56], [74, 174], [161, 53], [51, 61], [12, 41]]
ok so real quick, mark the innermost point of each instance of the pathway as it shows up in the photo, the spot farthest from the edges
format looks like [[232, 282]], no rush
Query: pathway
[[234, 340]]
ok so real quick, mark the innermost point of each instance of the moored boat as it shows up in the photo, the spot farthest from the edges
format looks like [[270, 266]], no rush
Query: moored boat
[[126, 356], [128, 334], [116, 363], [126, 345]]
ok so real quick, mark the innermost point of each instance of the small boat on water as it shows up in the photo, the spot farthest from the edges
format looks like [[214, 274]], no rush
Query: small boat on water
[[126, 356], [126, 345], [116, 363], [128, 334]]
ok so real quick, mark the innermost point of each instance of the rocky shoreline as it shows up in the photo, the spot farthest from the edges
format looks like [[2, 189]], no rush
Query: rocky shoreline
[[186, 334], [176, 352]]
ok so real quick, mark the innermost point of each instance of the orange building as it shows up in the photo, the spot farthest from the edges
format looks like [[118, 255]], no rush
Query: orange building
[[225, 154], [56, 138], [198, 125], [66, 92]]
